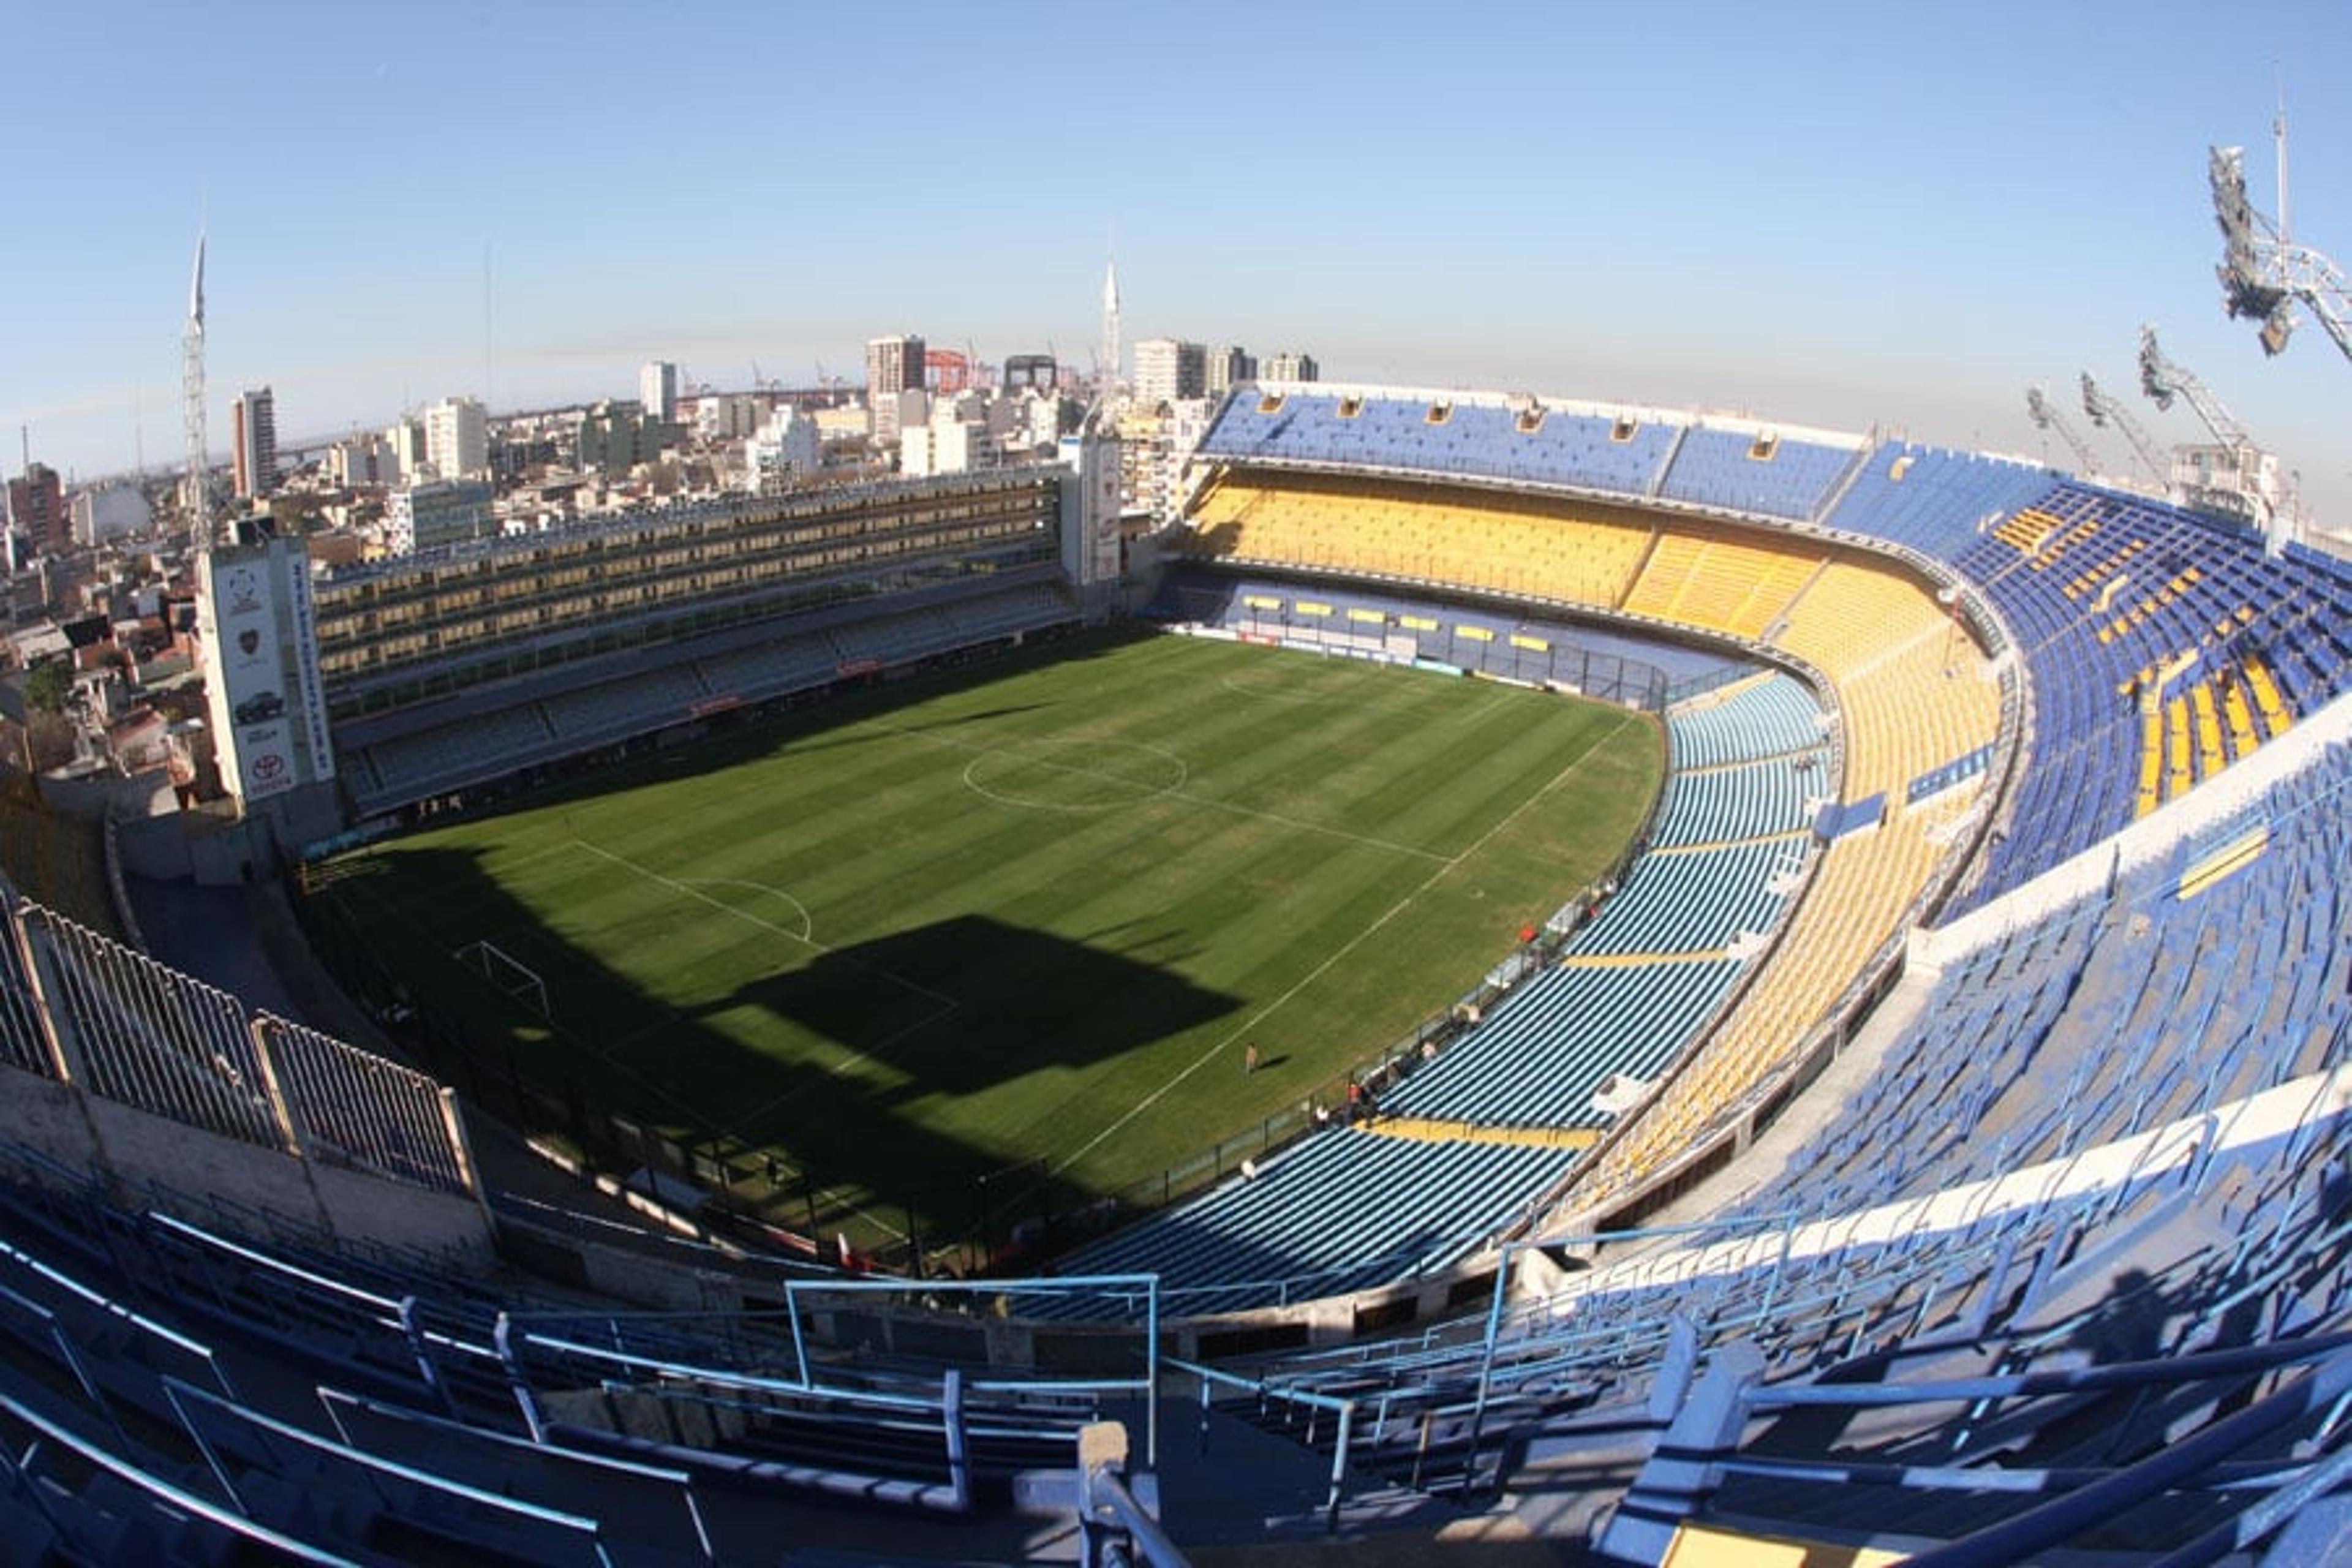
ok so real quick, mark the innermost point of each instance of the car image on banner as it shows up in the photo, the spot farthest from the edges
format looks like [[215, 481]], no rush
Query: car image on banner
[[260, 709]]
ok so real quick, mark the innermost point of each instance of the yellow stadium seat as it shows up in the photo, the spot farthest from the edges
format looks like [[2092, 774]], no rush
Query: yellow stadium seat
[[2177, 775], [2241, 718], [2210, 758]]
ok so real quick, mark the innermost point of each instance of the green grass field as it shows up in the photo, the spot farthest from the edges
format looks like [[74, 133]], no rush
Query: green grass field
[[1031, 916]]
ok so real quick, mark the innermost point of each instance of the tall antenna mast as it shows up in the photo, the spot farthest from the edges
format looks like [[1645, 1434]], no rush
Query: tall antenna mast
[[489, 360], [192, 394], [1110, 346], [2278, 129]]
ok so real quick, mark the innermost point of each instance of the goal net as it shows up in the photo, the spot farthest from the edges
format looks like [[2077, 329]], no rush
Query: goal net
[[518, 981]]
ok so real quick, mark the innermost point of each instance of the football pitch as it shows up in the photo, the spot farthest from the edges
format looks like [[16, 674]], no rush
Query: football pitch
[[1022, 921]]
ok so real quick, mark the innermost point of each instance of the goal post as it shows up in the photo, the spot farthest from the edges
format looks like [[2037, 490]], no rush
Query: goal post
[[511, 976]]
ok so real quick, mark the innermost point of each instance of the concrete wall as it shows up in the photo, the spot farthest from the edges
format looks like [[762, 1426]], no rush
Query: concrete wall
[[102, 793], [217, 853], [155, 847], [147, 1160]]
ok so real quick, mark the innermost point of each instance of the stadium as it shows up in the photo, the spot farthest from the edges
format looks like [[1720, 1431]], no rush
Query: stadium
[[1919, 1135]]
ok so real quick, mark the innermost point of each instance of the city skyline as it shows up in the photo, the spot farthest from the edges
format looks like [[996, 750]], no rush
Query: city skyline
[[1849, 217]]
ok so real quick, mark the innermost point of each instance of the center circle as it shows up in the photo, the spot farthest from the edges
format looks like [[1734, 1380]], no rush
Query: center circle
[[1075, 774]]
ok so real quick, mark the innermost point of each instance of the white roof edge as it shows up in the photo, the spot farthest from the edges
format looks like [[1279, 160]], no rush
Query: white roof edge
[[1644, 413]]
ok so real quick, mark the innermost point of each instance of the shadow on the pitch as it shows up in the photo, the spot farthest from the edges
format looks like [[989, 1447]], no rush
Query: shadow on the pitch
[[966, 1004], [847, 1134]]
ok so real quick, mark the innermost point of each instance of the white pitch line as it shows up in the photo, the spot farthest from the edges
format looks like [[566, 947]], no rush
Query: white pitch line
[[533, 857], [688, 891], [607, 1051], [851, 1056], [808, 926], [1395, 910], [1277, 818], [1179, 793]]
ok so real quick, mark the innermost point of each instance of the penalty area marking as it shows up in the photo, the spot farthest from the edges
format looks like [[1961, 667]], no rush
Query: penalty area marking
[[689, 889], [808, 926], [851, 1056]]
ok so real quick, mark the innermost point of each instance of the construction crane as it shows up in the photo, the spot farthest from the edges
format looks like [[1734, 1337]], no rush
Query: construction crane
[[948, 370], [2107, 413], [2265, 273], [2048, 418], [2239, 479]]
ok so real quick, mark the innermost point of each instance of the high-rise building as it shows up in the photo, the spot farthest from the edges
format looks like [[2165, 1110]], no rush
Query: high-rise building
[[439, 513], [725, 417], [614, 439], [36, 509], [1029, 370], [407, 441], [785, 446], [457, 438], [658, 390], [364, 459], [1167, 369], [107, 512], [1228, 366], [893, 365], [255, 422], [1291, 365]]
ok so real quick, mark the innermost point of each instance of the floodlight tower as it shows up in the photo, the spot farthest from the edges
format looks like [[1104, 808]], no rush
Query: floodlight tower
[[2264, 274], [2163, 380], [2106, 411], [191, 394], [2048, 418], [2233, 476]]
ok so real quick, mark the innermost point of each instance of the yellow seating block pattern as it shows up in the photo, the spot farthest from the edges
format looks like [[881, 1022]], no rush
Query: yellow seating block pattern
[[1865, 883], [1538, 546], [2151, 759], [1915, 690], [2267, 700], [1705, 576]]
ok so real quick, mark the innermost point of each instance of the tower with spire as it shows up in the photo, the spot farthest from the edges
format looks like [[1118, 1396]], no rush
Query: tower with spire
[[1110, 346], [191, 394]]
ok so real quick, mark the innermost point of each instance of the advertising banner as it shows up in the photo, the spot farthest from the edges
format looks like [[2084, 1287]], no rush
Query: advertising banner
[[309, 691], [250, 672]]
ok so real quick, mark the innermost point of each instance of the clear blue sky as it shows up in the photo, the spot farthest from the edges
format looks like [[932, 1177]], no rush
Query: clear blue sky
[[1896, 213]]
